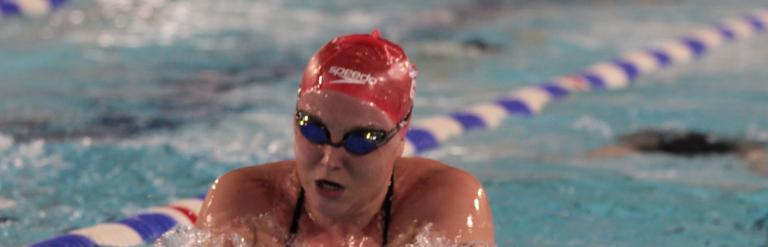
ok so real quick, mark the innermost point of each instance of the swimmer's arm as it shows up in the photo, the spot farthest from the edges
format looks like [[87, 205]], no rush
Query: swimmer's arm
[[611, 152], [756, 158], [456, 210]]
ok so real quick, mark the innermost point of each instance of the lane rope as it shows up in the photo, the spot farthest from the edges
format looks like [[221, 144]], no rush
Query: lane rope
[[31, 8], [618, 73], [427, 134]]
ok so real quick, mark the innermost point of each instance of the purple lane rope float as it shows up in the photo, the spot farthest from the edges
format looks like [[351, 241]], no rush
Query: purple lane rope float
[[28, 7], [427, 134]]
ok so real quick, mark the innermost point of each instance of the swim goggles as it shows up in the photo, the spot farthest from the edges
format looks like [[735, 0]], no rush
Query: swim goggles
[[357, 141]]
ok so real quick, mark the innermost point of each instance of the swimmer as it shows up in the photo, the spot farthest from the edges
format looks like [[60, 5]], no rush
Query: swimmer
[[349, 184], [687, 144], [474, 47]]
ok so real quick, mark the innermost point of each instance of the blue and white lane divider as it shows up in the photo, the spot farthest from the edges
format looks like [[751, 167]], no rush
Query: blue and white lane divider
[[28, 7], [140, 229], [427, 134]]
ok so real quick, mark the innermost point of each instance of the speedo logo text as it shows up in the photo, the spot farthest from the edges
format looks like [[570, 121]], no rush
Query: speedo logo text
[[351, 76]]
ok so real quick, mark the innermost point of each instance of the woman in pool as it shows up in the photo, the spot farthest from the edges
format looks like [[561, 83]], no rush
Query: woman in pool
[[349, 184]]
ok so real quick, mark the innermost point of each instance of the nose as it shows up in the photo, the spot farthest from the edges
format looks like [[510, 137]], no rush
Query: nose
[[332, 157]]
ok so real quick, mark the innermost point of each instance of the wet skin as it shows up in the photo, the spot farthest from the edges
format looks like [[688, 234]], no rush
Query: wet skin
[[257, 202]]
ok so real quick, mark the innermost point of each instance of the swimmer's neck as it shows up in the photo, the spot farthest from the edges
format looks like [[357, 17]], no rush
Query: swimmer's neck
[[355, 221]]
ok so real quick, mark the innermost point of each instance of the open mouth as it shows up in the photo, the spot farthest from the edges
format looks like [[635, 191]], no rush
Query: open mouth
[[329, 189], [328, 185]]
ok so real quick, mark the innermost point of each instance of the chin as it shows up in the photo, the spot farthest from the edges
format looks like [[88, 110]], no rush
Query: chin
[[334, 208], [333, 211]]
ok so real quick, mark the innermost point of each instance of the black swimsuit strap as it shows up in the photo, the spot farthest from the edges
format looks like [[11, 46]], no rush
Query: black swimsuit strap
[[387, 207], [297, 213], [295, 220]]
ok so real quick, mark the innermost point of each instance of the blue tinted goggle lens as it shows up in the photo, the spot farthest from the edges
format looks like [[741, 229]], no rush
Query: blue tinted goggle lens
[[356, 142], [314, 133]]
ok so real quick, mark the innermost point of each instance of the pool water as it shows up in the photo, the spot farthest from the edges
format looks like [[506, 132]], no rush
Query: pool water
[[109, 107]]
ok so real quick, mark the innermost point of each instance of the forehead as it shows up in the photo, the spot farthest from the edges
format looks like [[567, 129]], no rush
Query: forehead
[[336, 108]]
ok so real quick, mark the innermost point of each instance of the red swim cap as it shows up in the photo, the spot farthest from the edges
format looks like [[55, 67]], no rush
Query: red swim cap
[[367, 67]]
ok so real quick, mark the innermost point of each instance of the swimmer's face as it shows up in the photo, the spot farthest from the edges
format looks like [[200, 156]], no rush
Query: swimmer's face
[[337, 182]]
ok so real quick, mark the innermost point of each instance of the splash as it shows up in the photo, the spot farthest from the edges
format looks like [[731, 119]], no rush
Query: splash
[[6, 203], [427, 237], [5, 142], [189, 236]]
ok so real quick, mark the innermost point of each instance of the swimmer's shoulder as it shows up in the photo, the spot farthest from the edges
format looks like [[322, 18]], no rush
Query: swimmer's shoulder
[[425, 181], [435, 193], [258, 179], [251, 190], [417, 170]]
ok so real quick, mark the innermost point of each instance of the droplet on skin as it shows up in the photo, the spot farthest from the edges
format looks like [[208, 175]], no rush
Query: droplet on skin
[[469, 221]]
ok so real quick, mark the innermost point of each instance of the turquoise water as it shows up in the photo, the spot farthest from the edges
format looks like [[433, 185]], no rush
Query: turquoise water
[[108, 107]]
